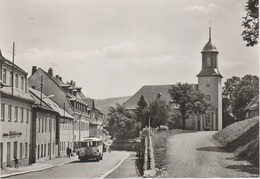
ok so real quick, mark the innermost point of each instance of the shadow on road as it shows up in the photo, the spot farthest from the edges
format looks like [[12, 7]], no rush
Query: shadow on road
[[212, 149], [78, 161], [244, 168]]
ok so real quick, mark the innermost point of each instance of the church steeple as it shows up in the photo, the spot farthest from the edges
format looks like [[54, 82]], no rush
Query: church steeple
[[209, 59]]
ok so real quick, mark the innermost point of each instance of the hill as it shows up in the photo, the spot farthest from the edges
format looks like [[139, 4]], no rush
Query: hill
[[242, 138], [104, 104]]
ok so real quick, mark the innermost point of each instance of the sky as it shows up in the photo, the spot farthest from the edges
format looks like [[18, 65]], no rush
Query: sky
[[112, 48]]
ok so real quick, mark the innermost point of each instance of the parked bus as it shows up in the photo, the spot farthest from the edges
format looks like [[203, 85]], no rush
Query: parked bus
[[90, 147]]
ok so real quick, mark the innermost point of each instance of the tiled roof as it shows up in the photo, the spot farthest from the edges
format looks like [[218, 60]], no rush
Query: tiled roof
[[150, 94]]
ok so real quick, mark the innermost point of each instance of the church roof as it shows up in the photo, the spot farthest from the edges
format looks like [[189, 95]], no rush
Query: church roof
[[209, 72], [150, 94], [209, 47]]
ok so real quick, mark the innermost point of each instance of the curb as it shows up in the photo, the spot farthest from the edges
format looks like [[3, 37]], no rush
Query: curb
[[36, 170]]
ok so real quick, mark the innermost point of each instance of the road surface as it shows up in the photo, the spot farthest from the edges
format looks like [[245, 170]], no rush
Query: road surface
[[77, 169], [199, 155]]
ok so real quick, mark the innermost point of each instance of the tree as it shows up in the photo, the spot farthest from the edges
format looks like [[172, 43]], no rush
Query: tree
[[158, 113], [121, 123], [245, 91], [142, 111], [251, 23], [190, 101], [228, 93], [237, 93]]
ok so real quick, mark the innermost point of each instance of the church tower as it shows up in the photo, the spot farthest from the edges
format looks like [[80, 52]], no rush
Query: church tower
[[209, 83]]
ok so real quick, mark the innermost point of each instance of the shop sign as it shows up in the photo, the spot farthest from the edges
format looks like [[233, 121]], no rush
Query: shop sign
[[12, 134]]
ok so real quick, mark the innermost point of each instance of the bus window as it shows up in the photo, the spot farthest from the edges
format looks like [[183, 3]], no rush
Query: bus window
[[84, 144]]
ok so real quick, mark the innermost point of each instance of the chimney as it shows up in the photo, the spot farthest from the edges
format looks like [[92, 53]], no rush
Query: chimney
[[1, 53], [57, 76], [50, 71], [71, 82], [60, 78], [34, 69]]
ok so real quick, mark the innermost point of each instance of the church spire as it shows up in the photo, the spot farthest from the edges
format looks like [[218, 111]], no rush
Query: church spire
[[210, 30]]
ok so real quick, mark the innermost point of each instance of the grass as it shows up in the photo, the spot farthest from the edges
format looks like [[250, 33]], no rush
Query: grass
[[242, 138], [160, 141]]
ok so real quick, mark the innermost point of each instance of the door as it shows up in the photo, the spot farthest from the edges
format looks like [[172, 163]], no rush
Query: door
[[8, 160], [207, 123]]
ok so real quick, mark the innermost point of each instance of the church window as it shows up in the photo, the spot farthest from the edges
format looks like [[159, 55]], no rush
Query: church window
[[208, 62]]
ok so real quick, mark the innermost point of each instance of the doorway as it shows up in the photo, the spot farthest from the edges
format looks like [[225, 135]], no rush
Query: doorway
[[8, 160]]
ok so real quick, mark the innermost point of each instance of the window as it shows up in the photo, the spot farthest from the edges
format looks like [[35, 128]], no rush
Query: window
[[38, 151], [21, 150], [2, 112], [4, 75], [49, 125], [15, 149], [16, 80], [45, 125], [21, 114], [26, 149], [44, 150], [9, 113], [42, 124], [22, 83], [27, 115], [39, 125], [11, 78], [208, 62], [15, 114]]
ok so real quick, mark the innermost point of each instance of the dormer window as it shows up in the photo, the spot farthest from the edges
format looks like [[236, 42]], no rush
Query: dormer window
[[4, 75]]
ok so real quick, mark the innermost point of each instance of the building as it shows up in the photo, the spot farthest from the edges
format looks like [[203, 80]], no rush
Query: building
[[69, 97], [209, 83], [252, 109], [16, 114], [47, 127]]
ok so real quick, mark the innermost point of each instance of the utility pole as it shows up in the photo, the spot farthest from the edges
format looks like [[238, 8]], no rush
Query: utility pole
[[13, 70], [41, 90]]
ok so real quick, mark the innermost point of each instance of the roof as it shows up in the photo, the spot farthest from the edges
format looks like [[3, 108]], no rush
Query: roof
[[254, 103], [17, 93], [96, 139], [209, 47], [90, 102], [8, 62], [209, 72], [150, 94], [49, 102]]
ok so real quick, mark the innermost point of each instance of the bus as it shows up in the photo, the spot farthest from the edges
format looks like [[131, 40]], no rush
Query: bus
[[90, 147]]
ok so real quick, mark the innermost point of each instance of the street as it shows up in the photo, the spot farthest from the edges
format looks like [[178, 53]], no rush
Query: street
[[77, 169], [197, 154]]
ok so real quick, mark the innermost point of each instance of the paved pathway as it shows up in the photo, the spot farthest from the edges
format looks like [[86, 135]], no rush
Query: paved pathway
[[199, 155], [56, 168]]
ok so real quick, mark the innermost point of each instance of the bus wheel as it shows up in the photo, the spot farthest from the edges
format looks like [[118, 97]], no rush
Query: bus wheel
[[97, 159], [101, 157]]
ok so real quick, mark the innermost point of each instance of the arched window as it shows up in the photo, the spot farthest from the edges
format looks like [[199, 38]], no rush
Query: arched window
[[208, 61]]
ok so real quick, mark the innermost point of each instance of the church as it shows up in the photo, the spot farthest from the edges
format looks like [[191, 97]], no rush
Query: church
[[209, 83]]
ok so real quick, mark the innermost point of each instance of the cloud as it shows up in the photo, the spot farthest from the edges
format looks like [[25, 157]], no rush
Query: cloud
[[202, 8], [122, 50]]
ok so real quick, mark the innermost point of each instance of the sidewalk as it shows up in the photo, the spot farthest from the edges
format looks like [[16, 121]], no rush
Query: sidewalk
[[40, 165], [130, 168]]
